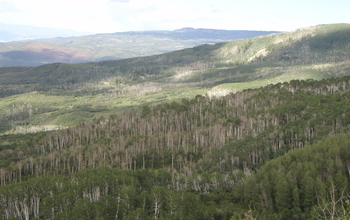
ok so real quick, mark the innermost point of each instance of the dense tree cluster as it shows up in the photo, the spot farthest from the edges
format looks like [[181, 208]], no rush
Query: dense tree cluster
[[106, 193], [307, 183]]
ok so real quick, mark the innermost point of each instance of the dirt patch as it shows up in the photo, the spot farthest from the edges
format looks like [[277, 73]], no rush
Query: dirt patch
[[261, 53], [46, 53]]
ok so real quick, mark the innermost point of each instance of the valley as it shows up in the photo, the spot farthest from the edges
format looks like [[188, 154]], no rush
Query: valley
[[255, 128], [96, 89]]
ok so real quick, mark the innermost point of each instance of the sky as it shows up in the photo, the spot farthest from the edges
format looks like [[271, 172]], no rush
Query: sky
[[108, 16]]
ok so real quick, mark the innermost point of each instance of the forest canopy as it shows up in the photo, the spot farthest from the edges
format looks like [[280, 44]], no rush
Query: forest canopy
[[223, 155], [257, 128]]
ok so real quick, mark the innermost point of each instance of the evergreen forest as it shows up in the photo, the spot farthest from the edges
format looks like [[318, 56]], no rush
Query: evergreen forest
[[279, 149]]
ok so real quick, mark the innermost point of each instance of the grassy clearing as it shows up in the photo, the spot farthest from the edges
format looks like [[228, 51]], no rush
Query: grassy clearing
[[37, 111], [301, 74]]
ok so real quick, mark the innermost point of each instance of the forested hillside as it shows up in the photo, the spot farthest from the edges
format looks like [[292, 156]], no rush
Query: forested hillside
[[212, 153], [55, 96], [256, 128], [308, 183]]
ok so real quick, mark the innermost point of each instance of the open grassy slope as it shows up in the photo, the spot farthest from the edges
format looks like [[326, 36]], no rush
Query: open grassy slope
[[59, 95]]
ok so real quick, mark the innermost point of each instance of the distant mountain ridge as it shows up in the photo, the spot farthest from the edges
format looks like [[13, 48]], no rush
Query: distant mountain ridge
[[112, 46], [204, 33]]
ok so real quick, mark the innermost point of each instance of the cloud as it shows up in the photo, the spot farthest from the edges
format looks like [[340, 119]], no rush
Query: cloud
[[81, 15], [126, 15], [216, 9], [7, 7], [120, 1]]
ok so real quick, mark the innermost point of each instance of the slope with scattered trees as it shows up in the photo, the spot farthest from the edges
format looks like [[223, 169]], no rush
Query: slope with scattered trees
[[74, 93]]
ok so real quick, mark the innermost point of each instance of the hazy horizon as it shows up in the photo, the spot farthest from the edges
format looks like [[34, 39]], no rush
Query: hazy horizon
[[109, 16]]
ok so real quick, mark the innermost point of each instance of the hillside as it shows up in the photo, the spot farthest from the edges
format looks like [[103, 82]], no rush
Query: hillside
[[112, 46], [162, 137], [55, 96], [177, 159], [307, 183]]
